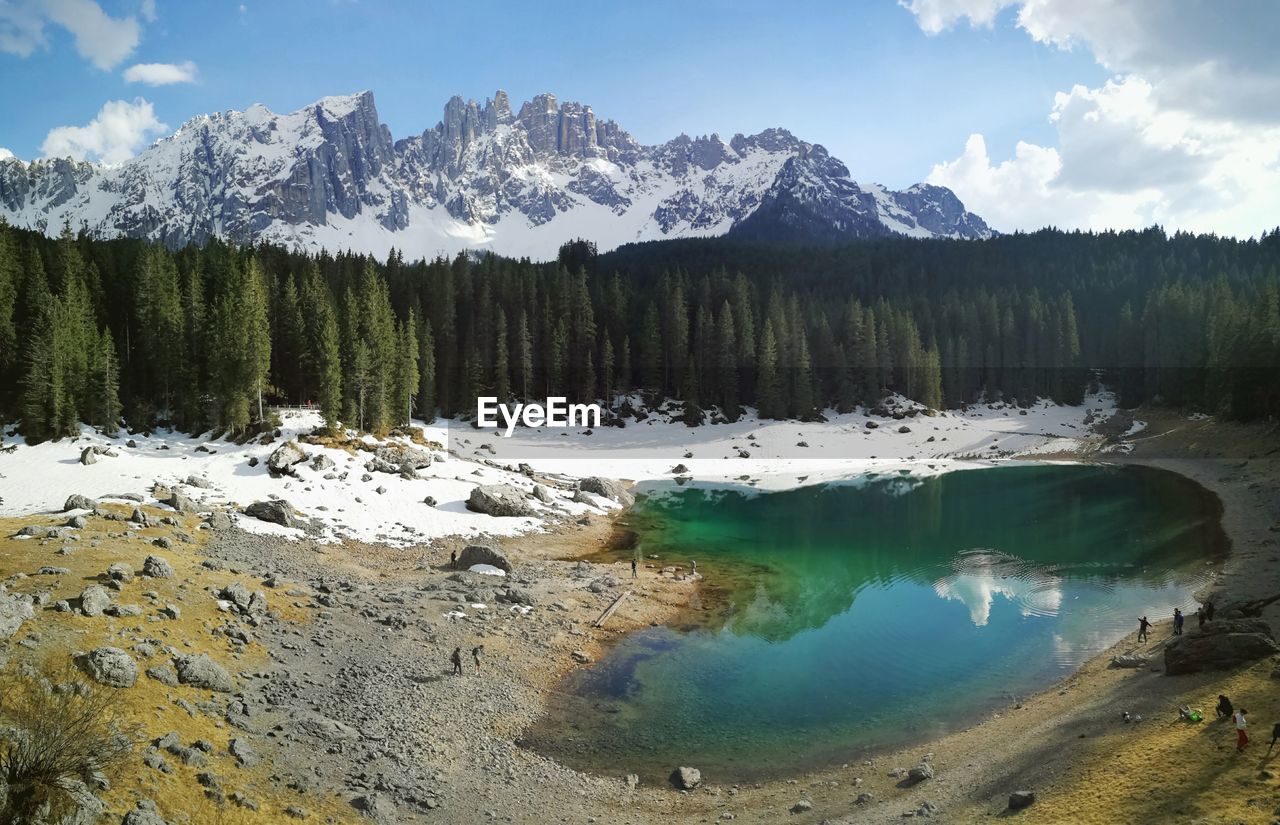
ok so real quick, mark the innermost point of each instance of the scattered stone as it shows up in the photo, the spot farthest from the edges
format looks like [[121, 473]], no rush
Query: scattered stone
[[609, 488], [277, 511], [686, 779], [79, 502], [219, 521], [88, 456], [163, 674], [156, 567], [1021, 799], [581, 657], [200, 671], [802, 806], [110, 666], [181, 503], [920, 773], [243, 753], [120, 571], [321, 463], [543, 494], [1129, 660], [14, 610], [94, 599], [502, 500], [281, 461]]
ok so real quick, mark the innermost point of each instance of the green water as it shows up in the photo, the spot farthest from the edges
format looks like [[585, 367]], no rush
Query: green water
[[869, 615]]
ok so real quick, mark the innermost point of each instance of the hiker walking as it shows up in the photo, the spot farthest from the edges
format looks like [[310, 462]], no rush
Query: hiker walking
[[1143, 627], [634, 566], [1242, 738], [1200, 617], [453, 559], [1178, 620], [1208, 611], [456, 658], [475, 654]]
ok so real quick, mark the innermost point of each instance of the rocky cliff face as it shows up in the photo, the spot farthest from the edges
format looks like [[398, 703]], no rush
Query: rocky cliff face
[[484, 177]]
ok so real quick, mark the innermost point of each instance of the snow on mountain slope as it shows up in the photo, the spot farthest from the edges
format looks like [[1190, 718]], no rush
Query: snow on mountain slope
[[518, 183]]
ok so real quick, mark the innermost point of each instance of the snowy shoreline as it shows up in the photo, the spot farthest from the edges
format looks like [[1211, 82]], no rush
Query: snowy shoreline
[[344, 500]]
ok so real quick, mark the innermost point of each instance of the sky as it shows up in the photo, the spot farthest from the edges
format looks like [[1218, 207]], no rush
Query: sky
[[1074, 113]]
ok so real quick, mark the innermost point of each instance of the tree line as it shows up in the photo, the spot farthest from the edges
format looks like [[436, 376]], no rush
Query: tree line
[[113, 331]]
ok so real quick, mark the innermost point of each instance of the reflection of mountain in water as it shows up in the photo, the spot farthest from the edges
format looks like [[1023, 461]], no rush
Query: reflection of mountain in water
[[981, 575], [790, 561]]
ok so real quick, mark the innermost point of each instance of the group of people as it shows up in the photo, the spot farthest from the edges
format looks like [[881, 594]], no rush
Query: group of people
[[1203, 614], [456, 659]]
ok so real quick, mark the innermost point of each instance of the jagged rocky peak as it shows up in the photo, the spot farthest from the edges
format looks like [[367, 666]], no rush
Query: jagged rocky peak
[[488, 175]]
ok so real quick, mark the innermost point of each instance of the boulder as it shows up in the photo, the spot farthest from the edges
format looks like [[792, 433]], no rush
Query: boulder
[[686, 779], [110, 666], [120, 571], [14, 610], [198, 481], [220, 521], [543, 494], [513, 595], [139, 517], [498, 500], [78, 502], [283, 458], [156, 567], [397, 455], [94, 600], [1128, 660], [474, 554], [144, 814], [321, 463], [199, 671], [1221, 645], [679, 469], [920, 773], [1021, 799], [276, 511], [88, 456], [610, 488], [181, 503]]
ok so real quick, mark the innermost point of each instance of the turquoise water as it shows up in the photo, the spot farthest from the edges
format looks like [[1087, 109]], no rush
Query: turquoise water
[[851, 618]]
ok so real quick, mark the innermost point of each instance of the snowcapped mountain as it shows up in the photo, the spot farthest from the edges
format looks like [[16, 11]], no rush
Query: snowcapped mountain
[[484, 177]]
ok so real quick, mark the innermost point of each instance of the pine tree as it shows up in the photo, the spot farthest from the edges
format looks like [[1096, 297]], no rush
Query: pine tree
[[524, 356], [427, 403], [407, 375], [693, 414], [727, 363], [769, 399], [105, 392], [501, 359]]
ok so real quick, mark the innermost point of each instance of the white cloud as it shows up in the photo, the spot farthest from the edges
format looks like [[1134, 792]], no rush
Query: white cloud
[[103, 40], [116, 134], [1186, 134], [148, 10], [5, 154], [161, 74]]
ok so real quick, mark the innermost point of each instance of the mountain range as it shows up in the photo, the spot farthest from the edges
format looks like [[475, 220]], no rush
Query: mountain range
[[486, 177]]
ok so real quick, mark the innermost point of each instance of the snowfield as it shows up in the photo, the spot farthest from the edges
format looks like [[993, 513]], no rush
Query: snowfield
[[748, 454]]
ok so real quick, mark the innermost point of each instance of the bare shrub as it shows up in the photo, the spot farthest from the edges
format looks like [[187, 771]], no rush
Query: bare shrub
[[60, 740]]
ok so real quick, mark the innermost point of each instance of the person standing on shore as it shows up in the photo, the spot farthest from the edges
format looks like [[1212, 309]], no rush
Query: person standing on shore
[[456, 658], [1208, 611], [453, 559], [1143, 627], [1242, 738], [634, 566], [1178, 620], [475, 654], [1225, 708]]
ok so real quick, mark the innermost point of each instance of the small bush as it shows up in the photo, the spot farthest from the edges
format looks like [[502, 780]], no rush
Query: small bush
[[60, 740]]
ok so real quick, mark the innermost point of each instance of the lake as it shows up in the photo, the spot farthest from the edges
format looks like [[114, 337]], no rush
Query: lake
[[849, 618]]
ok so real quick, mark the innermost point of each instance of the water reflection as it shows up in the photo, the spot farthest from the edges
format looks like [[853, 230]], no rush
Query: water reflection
[[981, 575]]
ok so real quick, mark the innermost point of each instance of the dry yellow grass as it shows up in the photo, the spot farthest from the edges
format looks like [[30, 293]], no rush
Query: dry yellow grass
[[150, 706]]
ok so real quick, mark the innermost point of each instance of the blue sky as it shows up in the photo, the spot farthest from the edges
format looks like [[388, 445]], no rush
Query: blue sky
[[862, 78], [1086, 114]]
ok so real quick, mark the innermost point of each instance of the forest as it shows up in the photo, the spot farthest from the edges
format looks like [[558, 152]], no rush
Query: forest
[[126, 333]]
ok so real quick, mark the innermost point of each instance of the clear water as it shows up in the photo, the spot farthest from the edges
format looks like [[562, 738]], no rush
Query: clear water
[[851, 618]]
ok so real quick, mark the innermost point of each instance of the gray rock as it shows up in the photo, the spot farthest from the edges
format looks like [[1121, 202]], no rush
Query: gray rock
[[14, 610], [609, 488], [139, 517], [123, 611], [920, 773], [1021, 799], [321, 463], [686, 779], [88, 456], [220, 521], [802, 806], [77, 522], [398, 455], [474, 554], [79, 502], [541, 493], [501, 500], [283, 458], [110, 666], [120, 571], [197, 481], [94, 599], [163, 674], [1128, 660], [181, 503], [156, 567], [243, 752], [1221, 645], [375, 807], [144, 814], [277, 511], [199, 671]]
